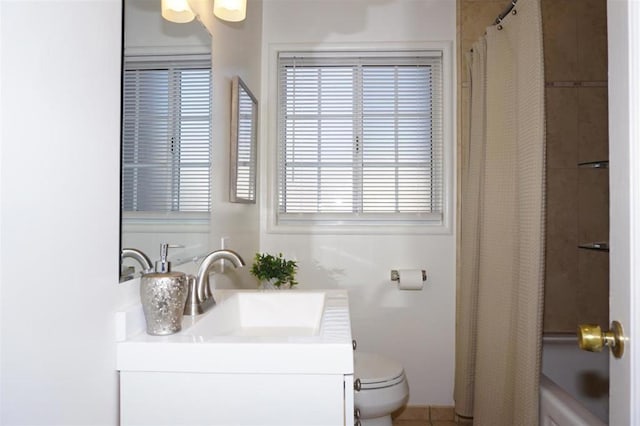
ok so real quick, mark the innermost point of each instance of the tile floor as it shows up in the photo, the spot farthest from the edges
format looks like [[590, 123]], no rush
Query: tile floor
[[428, 416]]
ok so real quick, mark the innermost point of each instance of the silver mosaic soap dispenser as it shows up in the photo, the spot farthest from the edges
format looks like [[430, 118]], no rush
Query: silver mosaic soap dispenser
[[163, 295]]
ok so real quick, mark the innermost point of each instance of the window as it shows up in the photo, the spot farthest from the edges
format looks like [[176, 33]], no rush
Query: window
[[166, 136], [360, 138]]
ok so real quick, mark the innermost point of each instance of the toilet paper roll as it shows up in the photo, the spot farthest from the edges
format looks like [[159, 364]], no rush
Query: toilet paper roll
[[410, 279]]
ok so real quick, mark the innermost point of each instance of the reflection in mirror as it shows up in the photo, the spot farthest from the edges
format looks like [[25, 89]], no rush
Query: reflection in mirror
[[128, 272], [166, 136], [244, 121]]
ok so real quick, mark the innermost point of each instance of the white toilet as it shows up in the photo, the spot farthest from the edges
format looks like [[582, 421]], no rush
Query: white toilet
[[383, 388]]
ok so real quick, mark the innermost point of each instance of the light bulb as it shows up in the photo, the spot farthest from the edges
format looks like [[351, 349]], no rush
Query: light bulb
[[230, 10], [177, 11]]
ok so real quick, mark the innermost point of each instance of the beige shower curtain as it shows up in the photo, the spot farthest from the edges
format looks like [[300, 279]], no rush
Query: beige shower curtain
[[500, 279]]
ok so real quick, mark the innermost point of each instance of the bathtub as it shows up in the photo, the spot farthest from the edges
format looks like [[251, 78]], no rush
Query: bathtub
[[574, 387]]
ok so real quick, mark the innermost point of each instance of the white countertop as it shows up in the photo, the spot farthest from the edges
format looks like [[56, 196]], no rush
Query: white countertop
[[204, 347]]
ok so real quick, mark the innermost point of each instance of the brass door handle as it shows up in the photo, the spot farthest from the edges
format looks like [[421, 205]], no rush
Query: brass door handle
[[591, 338]]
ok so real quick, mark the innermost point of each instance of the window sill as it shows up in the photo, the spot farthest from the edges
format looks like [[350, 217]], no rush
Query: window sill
[[372, 226], [144, 222]]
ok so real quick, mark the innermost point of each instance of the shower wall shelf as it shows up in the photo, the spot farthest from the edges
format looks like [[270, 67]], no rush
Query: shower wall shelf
[[599, 246], [594, 165]]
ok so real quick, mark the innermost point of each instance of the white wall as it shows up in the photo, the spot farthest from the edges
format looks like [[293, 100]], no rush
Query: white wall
[[416, 328], [60, 85]]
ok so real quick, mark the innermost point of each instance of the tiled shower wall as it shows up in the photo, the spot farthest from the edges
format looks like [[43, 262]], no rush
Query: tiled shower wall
[[575, 46]]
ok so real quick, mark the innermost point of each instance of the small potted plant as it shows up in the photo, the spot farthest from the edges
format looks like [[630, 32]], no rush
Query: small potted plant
[[274, 271]]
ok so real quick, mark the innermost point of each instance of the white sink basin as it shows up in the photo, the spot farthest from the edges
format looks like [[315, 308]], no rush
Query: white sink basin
[[248, 331], [268, 313]]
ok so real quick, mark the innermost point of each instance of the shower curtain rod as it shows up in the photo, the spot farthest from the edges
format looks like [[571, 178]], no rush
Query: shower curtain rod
[[504, 13]]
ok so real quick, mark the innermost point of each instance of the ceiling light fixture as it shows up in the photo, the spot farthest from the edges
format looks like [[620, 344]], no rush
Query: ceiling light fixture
[[177, 11], [230, 10]]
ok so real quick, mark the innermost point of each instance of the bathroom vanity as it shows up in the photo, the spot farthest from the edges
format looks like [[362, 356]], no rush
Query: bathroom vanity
[[256, 358]]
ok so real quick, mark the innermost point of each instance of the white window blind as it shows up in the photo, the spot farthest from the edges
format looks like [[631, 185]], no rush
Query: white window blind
[[166, 136], [360, 137]]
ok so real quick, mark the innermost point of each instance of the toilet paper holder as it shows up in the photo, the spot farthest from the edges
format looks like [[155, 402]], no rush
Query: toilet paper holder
[[395, 275]]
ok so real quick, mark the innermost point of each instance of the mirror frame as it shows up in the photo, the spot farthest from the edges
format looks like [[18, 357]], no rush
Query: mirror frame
[[238, 89]]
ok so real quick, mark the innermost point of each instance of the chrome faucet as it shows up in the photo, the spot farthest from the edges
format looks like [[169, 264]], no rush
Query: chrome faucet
[[138, 256], [200, 298]]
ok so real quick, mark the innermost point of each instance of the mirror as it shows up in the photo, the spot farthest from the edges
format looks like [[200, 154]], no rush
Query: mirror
[[244, 139], [165, 156]]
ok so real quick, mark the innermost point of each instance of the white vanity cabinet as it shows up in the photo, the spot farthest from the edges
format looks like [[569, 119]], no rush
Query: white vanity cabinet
[[239, 364], [235, 399]]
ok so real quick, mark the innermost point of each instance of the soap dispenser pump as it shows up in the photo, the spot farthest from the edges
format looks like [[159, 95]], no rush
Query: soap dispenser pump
[[163, 294]]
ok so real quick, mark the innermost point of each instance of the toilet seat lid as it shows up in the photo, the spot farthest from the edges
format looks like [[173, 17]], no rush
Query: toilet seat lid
[[373, 368]]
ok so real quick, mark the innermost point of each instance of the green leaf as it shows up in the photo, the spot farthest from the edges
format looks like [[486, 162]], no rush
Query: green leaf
[[266, 266]]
